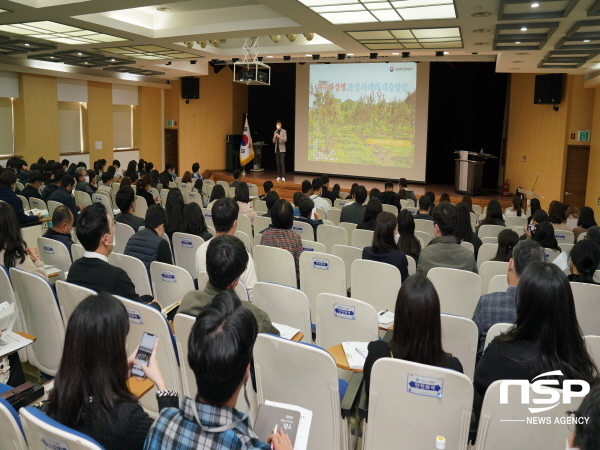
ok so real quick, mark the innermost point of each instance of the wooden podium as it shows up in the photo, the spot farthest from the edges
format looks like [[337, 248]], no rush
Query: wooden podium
[[469, 172]]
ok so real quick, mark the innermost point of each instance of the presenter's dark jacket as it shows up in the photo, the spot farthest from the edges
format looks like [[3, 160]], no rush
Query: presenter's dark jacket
[[391, 198], [61, 195], [29, 191], [353, 213], [134, 222], [326, 193], [393, 257], [10, 197]]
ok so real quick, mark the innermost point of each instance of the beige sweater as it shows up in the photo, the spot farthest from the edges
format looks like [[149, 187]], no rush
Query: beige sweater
[[28, 265]]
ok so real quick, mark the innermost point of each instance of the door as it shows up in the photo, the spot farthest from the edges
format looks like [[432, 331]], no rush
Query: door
[[576, 175], [171, 148]]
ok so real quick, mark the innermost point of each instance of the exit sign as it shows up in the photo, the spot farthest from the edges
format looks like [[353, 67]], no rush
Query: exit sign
[[171, 123], [583, 136]]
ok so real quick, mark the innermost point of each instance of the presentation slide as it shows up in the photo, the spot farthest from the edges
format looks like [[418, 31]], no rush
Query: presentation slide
[[362, 119]]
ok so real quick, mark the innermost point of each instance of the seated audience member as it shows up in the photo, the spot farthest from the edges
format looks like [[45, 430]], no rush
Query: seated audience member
[[499, 307], [174, 209], [306, 206], [23, 172], [148, 244], [336, 190], [32, 189], [445, 249], [170, 172], [92, 178], [296, 198], [320, 202], [63, 195], [187, 177], [464, 229], [325, 192], [350, 196], [432, 197], [226, 260], [8, 183], [407, 241], [507, 239], [493, 215], [199, 189], [417, 335], [557, 216], [196, 172], [126, 181], [572, 212], [593, 234], [467, 200], [584, 260], [236, 178], [424, 208], [536, 218], [224, 216], [62, 224], [270, 200], [141, 170], [517, 209], [125, 200], [52, 185], [96, 233], [131, 171], [267, 186], [372, 210], [534, 205], [389, 197], [585, 221], [194, 222], [410, 195], [544, 234], [144, 186], [242, 197], [112, 171], [546, 336], [384, 249], [107, 180], [155, 176], [281, 235], [584, 434], [217, 193], [355, 211], [306, 187], [375, 193], [83, 181], [90, 391], [445, 197], [163, 179], [220, 355]]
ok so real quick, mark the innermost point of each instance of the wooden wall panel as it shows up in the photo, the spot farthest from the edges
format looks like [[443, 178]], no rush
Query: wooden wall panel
[[99, 121], [580, 109], [147, 119], [592, 197], [172, 97]]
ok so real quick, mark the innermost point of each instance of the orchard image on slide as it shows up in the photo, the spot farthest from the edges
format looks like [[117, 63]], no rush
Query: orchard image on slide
[[363, 114]]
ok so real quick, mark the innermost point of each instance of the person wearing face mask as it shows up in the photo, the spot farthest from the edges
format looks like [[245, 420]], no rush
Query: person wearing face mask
[[384, 248], [83, 181], [8, 184], [279, 139], [144, 185], [96, 233], [62, 224], [125, 200], [63, 194]]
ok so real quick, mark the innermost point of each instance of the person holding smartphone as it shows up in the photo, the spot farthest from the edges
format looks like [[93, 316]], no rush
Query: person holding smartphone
[[90, 391]]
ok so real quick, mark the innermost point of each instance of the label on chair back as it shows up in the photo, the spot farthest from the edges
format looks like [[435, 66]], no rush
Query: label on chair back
[[428, 386], [186, 242], [135, 316], [560, 237], [51, 443], [168, 276], [48, 249], [297, 229], [344, 311], [308, 248], [321, 263]]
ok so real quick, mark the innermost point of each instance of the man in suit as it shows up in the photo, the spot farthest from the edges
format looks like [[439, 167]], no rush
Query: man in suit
[[279, 139], [35, 181], [96, 232], [63, 194], [355, 211]]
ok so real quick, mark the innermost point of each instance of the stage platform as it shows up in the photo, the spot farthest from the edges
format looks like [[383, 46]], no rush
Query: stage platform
[[293, 183]]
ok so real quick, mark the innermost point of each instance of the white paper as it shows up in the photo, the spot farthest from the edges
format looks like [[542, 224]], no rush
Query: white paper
[[285, 331], [356, 353], [562, 261], [51, 270], [303, 425], [42, 212], [11, 342], [386, 319], [7, 316]]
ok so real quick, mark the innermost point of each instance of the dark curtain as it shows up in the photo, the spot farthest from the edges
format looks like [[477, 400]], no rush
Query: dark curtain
[[466, 112]]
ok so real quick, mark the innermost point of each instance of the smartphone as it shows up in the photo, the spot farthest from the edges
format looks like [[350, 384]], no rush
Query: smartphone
[[143, 355], [531, 228]]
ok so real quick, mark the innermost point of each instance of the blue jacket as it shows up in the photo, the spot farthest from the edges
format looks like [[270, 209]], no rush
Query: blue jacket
[[8, 195], [63, 196]]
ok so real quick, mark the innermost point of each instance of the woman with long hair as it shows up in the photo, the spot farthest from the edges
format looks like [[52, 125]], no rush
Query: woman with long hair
[[445, 197], [417, 335], [534, 205], [336, 190], [383, 249], [467, 200], [352, 189], [517, 208], [464, 228], [131, 171], [194, 222], [585, 221], [493, 215], [144, 186], [557, 216], [372, 210], [164, 179], [154, 175], [217, 193], [583, 261], [545, 337], [187, 177], [407, 241], [90, 391], [507, 239], [375, 193], [174, 207], [242, 197], [544, 234], [199, 188]]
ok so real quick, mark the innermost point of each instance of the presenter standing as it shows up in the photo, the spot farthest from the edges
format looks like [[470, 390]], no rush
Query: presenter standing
[[279, 139]]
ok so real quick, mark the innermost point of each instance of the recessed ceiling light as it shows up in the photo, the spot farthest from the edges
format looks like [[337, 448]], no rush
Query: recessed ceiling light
[[482, 30], [27, 45], [308, 55], [535, 5], [585, 40], [112, 60], [163, 8], [349, 54], [524, 29], [79, 54], [395, 53], [518, 42], [481, 14], [446, 53], [52, 57], [58, 32], [86, 62], [270, 56]]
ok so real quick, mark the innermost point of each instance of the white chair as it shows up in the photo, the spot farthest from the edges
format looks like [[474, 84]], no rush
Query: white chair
[[413, 210], [566, 248], [425, 237], [592, 344], [305, 230], [69, 296], [104, 198], [321, 213], [208, 217], [582, 236], [474, 218], [489, 270], [141, 207], [37, 203], [468, 246], [24, 201], [587, 307], [256, 240], [348, 254], [54, 253], [564, 236], [122, 234], [185, 247], [422, 417], [41, 318], [551, 255], [319, 273], [487, 252], [253, 190], [498, 284], [330, 235], [349, 227], [274, 265], [285, 305], [339, 203], [495, 433], [362, 238], [211, 230], [424, 225], [31, 234], [460, 337], [231, 192], [82, 198], [489, 240], [261, 223], [77, 251], [136, 270], [477, 209], [342, 319], [170, 283], [312, 246], [182, 324], [308, 379], [245, 225], [241, 291], [193, 197], [515, 221], [164, 193], [245, 239], [489, 230], [390, 208], [458, 290], [334, 214], [260, 206], [496, 330], [412, 265], [44, 433], [385, 294], [52, 205], [10, 423]]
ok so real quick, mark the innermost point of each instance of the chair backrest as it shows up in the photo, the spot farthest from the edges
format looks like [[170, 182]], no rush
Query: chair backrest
[[474, 218], [587, 307], [489, 230], [185, 247], [551, 255], [390, 208], [260, 206], [468, 246], [498, 283], [141, 207], [592, 344], [52, 205], [425, 237], [477, 209], [339, 203], [182, 323], [261, 223], [164, 193], [307, 379], [285, 305], [566, 247], [348, 254], [489, 270], [330, 235], [54, 253], [496, 330], [349, 227], [44, 433], [69, 296], [41, 318], [412, 265], [489, 240], [341, 319], [362, 238], [582, 236], [275, 265], [253, 190], [256, 240], [77, 251], [515, 221], [104, 198], [334, 214], [564, 236], [82, 198], [447, 407], [231, 192], [37, 203], [136, 270], [170, 283], [460, 337], [193, 197], [208, 217], [382, 293], [319, 273], [31, 233], [122, 234], [459, 290], [305, 230], [10, 423], [245, 225], [248, 242], [424, 225], [487, 252], [312, 246]]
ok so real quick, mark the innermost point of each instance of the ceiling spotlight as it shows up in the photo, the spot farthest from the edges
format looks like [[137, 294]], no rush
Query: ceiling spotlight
[[309, 36], [166, 64], [446, 53], [349, 54], [316, 56], [270, 56], [307, 55], [86, 62], [79, 54], [524, 29], [372, 55], [275, 38], [112, 59], [202, 43], [193, 61], [518, 42], [585, 40], [163, 9], [406, 54], [439, 53], [482, 14], [291, 37], [52, 57], [287, 58], [234, 60], [535, 5], [216, 42], [341, 56], [26, 44], [189, 44]]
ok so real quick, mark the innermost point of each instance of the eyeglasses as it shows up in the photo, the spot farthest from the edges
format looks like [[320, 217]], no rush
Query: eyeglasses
[[572, 418]]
